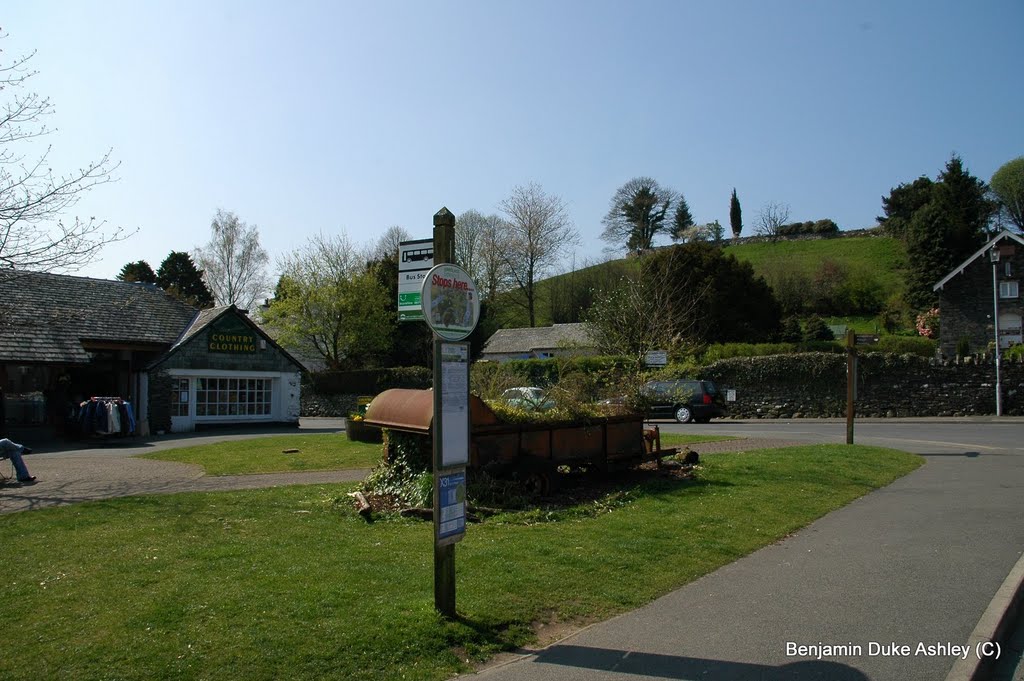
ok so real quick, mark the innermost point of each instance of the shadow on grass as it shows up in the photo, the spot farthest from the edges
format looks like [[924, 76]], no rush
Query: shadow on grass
[[581, 494]]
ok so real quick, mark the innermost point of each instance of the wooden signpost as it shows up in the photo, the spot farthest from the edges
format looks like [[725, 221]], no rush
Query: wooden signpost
[[451, 307]]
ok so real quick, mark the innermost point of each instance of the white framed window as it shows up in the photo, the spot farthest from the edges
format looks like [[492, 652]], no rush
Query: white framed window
[[234, 396], [179, 397], [1009, 289]]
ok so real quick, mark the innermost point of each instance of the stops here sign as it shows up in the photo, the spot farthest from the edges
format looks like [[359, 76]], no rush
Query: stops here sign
[[450, 302]]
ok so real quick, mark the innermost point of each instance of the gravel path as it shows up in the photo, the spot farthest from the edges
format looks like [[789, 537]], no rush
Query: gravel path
[[75, 476]]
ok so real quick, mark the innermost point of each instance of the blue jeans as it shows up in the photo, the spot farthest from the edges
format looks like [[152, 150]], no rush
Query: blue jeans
[[12, 451]]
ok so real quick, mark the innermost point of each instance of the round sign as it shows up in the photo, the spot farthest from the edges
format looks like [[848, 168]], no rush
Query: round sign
[[451, 305]]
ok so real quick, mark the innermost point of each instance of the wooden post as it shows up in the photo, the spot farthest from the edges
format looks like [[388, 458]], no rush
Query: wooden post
[[444, 556], [851, 380]]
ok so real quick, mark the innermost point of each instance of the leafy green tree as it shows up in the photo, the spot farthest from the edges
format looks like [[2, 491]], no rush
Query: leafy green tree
[[179, 276], [1008, 187], [682, 220], [137, 271], [942, 223], [901, 204], [333, 305], [637, 213], [735, 215], [716, 298]]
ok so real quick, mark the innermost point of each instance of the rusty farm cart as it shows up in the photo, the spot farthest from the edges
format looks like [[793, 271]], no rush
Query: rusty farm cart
[[534, 452]]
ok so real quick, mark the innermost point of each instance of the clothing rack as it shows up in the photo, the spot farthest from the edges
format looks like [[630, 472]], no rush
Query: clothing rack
[[105, 416]]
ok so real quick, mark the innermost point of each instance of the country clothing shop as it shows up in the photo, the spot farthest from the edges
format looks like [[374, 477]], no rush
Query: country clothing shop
[[83, 357]]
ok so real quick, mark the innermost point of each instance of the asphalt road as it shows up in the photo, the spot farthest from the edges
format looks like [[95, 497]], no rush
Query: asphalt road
[[913, 564]]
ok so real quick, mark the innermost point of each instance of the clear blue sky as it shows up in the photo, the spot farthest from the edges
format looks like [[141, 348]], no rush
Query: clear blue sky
[[326, 116]]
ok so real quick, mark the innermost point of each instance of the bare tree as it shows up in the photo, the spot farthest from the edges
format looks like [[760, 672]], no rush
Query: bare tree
[[480, 245], [649, 309], [234, 263], [540, 232], [771, 219], [387, 245], [33, 198]]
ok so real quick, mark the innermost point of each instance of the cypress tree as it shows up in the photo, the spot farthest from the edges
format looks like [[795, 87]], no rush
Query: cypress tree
[[735, 215]]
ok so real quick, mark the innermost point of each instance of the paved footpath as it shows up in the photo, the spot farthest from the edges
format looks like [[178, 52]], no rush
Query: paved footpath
[[915, 562], [68, 476]]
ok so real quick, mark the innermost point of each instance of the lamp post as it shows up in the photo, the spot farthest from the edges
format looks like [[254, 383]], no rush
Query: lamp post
[[993, 256]]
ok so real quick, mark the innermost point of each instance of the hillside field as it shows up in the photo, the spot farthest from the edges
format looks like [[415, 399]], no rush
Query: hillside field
[[563, 297]]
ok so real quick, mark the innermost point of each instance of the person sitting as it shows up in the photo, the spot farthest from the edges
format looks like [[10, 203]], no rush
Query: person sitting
[[14, 452]]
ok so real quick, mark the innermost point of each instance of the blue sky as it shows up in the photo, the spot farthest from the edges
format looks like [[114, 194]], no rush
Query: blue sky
[[308, 117]]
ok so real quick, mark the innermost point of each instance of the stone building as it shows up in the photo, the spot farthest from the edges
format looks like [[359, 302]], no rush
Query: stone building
[[541, 342], [65, 340], [971, 294], [223, 369]]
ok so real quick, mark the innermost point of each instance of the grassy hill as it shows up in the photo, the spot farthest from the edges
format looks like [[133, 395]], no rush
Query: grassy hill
[[883, 257], [865, 269]]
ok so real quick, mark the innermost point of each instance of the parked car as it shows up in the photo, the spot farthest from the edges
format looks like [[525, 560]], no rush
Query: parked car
[[528, 398], [684, 400]]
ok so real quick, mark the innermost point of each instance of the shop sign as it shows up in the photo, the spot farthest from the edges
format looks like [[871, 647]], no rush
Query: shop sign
[[238, 343]]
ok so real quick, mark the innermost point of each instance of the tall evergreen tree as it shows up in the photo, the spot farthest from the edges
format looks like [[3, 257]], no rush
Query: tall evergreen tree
[[180, 277], [735, 215], [682, 220], [941, 222], [137, 271]]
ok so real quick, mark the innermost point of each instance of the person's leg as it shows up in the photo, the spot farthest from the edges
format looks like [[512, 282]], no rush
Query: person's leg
[[19, 466], [6, 447]]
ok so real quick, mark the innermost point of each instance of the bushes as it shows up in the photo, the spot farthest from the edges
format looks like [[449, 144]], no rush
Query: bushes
[[905, 345], [369, 381], [809, 227]]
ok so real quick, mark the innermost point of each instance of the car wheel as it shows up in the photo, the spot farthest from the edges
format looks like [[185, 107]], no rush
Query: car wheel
[[684, 415]]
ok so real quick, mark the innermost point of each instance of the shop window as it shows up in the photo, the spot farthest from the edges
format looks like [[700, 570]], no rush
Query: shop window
[[180, 397], [234, 397]]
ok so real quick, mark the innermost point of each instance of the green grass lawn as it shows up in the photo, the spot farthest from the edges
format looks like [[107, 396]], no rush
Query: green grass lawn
[[316, 453], [266, 455], [289, 583]]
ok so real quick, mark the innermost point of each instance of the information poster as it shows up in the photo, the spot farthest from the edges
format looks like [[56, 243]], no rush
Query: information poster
[[454, 404], [451, 497]]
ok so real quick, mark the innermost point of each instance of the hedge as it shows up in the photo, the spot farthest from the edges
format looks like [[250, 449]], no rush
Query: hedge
[[369, 381]]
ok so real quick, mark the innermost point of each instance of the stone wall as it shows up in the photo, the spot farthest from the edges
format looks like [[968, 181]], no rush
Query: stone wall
[[319, 404], [814, 385]]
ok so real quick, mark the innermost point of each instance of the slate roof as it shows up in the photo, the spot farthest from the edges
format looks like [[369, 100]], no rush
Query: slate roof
[[45, 317], [207, 317], [510, 341], [959, 269]]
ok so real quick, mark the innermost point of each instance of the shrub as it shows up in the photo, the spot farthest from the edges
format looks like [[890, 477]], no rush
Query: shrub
[[905, 345], [817, 330], [370, 381], [1015, 353]]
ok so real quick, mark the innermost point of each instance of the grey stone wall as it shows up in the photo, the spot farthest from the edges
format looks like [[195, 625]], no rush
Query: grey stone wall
[[814, 385]]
